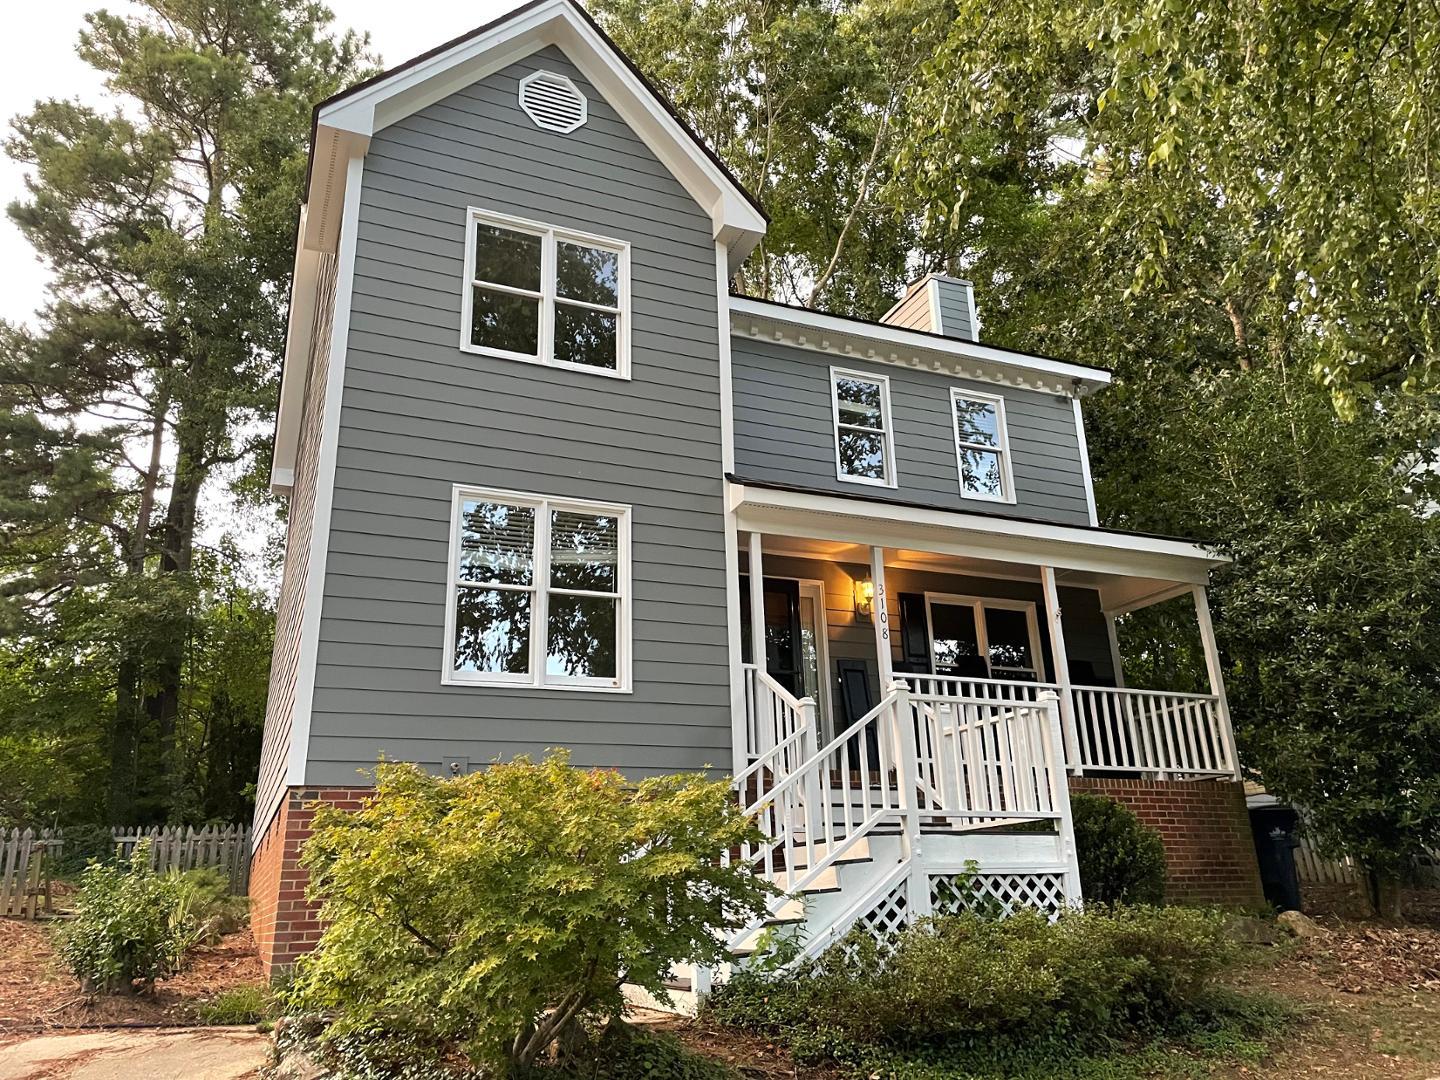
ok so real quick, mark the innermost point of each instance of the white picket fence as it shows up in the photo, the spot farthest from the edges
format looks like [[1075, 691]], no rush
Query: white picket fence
[[27, 859]]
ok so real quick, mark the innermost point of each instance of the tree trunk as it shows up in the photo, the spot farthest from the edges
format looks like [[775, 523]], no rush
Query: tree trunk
[[1384, 896]]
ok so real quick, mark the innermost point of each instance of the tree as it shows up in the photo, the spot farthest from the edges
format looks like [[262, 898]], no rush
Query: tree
[[167, 225]]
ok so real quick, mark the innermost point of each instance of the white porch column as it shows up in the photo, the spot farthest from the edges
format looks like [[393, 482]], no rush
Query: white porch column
[[1062, 667], [880, 616], [1217, 676], [757, 603]]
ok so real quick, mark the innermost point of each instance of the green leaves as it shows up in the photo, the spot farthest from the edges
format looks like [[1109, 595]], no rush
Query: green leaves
[[462, 910]]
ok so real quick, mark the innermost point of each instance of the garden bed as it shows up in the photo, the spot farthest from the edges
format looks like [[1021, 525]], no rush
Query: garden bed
[[36, 992]]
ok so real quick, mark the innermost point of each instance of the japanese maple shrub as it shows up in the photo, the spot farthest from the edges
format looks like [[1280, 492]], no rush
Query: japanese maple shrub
[[493, 913]]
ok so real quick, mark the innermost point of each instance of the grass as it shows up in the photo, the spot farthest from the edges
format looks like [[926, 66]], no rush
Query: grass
[[238, 1005]]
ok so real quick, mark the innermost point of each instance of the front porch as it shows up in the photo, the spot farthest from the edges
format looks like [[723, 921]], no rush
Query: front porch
[[931, 686]]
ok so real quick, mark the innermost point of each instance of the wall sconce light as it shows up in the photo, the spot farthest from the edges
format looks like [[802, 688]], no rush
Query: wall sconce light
[[864, 597]]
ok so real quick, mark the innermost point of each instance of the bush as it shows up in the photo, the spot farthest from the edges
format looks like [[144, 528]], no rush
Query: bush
[[204, 910], [493, 911], [1122, 860], [968, 979], [123, 929], [238, 1005]]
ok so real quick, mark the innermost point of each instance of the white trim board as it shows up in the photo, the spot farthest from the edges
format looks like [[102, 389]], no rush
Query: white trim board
[[861, 341], [884, 524]]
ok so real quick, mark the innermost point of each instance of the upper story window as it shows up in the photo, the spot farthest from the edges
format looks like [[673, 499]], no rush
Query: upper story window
[[981, 446], [539, 592], [864, 436], [546, 295]]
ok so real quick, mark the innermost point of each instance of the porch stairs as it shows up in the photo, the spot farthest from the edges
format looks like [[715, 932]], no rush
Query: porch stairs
[[922, 806]]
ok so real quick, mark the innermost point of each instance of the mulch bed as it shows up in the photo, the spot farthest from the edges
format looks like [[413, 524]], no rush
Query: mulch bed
[[36, 992], [1359, 958]]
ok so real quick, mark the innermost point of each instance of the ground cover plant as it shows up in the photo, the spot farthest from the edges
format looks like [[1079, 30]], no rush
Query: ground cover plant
[[496, 915], [967, 994]]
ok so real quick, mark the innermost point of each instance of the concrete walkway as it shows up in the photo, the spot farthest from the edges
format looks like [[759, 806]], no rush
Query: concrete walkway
[[181, 1054]]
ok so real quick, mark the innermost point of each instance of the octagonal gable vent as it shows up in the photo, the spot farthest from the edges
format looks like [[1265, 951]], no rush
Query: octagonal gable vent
[[552, 101]]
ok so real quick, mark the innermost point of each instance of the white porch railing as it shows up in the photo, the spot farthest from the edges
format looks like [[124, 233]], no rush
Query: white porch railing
[[1159, 734], [928, 759], [1164, 735]]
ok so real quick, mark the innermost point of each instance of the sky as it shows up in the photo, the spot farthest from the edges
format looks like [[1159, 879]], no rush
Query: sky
[[38, 61]]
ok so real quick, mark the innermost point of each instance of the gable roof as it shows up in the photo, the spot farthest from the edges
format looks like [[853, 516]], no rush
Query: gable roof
[[359, 112], [344, 124]]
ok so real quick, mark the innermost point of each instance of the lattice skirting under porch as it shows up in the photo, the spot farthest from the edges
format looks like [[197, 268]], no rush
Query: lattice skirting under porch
[[1000, 893]]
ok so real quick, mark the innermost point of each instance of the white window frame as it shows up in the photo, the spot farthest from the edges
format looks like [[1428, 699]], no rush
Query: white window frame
[[978, 604], [891, 477], [1001, 449], [549, 236], [540, 592]]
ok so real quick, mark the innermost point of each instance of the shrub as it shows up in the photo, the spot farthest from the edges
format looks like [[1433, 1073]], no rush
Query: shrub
[[966, 978], [122, 930], [204, 910], [1122, 860], [238, 1005], [495, 910]]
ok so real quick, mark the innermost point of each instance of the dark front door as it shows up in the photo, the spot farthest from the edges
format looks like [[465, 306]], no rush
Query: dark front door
[[784, 643]]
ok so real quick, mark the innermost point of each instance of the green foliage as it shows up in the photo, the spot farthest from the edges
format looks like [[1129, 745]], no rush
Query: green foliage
[[133, 657], [966, 980], [622, 1052], [204, 910], [238, 1005], [495, 910], [1122, 860], [123, 929]]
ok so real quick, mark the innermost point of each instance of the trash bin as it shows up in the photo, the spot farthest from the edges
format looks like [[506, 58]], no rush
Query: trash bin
[[1274, 829]]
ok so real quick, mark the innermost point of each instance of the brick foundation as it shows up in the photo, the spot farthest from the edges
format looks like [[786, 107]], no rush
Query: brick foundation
[[283, 921], [1206, 831]]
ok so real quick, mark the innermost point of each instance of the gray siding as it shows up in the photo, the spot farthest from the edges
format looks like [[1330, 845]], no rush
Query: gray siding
[[955, 320], [290, 609], [419, 416], [784, 433]]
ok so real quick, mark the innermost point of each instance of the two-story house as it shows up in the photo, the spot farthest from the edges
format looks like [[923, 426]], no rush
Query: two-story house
[[550, 483]]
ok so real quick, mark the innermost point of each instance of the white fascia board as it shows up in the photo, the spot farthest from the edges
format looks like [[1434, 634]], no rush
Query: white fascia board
[[894, 345], [300, 326], [877, 523], [735, 221]]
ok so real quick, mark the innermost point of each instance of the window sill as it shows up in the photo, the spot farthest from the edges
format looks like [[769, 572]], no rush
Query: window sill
[[622, 373], [511, 684], [891, 484], [1000, 499]]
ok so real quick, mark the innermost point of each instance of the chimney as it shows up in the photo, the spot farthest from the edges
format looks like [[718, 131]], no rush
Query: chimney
[[937, 304]]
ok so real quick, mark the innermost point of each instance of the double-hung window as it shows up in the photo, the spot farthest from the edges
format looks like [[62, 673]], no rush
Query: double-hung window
[[982, 448], [539, 592], [546, 295], [864, 439]]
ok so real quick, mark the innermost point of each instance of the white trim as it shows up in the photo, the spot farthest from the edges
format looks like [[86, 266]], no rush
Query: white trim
[[826, 702], [880, 617], [1000, 450], [977, 605], [953, 532], [882, 344], [974, 315], [738, 759], [550, 236], [932, 297], [1115, 660], [540, 590], [538, 119], [299, 750], [556, 22], [887, 432], [1085, 462]]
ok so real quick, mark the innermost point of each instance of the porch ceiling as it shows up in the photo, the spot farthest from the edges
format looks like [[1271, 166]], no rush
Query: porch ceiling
[[1128, 571]]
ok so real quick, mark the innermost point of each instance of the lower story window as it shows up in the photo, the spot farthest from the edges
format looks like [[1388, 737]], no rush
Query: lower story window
[[538, 592]]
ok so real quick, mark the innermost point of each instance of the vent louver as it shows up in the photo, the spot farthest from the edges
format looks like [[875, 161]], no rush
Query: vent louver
[[552, 101]]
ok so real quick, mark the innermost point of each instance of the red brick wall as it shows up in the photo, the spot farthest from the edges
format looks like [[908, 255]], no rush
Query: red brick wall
[[1206, 831], [283, 921]]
